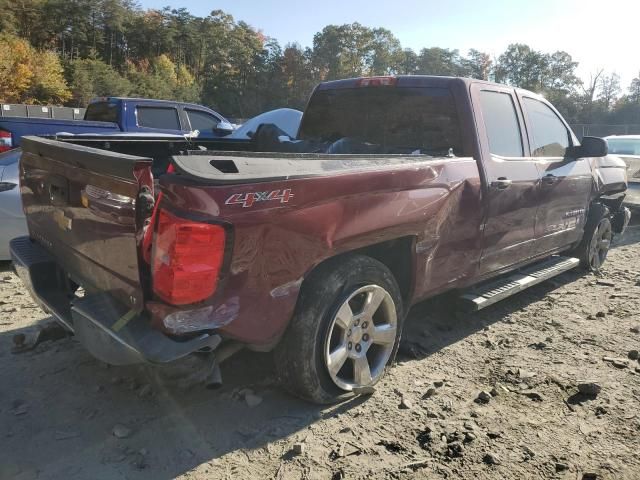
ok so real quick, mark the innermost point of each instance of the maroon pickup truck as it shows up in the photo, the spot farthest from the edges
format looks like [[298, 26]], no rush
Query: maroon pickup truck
[[395, 190]]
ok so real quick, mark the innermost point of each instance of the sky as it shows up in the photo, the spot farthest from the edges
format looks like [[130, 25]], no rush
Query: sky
[[598, 34]]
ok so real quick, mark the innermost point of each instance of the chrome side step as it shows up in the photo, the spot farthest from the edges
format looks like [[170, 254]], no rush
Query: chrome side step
[[486, 294]]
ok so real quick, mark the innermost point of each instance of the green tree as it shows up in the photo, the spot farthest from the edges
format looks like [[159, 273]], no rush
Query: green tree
[[386, 53], [48, 85], [523, 67], [352, 50], [634, 90], [440, 61], [92, 77], [477, 65], [609, 90], [297, 74], [408, 62]]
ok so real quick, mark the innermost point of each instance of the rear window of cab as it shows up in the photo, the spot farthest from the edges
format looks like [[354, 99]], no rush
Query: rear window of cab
[[398, 119], [102, 112]]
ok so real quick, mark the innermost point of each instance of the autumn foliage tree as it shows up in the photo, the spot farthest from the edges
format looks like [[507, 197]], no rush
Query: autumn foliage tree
[[28, 75]]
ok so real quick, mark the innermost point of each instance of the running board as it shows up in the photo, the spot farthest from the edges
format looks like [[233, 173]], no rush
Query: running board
[[489, 293]]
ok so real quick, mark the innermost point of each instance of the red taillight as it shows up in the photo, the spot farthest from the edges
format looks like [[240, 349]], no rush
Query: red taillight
[[187, 257], [6, 141], [377, 82]]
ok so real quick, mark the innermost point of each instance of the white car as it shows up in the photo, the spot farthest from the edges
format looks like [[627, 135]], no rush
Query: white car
[[286, 119], [627, 147]]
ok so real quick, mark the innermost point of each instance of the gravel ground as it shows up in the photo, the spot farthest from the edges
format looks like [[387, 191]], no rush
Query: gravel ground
[[491, 395]]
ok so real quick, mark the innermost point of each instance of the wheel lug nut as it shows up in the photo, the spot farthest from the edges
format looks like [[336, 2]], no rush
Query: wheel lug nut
[[365, 337], [349, 333], [357, 322], [350, 346], [364, 324], [358, 347]]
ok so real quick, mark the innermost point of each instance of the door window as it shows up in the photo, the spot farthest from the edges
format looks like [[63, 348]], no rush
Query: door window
[[501, 122], [550, 138], [164, 118], [202, 121]]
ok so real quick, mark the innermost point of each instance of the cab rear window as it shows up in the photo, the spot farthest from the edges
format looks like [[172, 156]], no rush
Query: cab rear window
[[399, 119], [102, 112]]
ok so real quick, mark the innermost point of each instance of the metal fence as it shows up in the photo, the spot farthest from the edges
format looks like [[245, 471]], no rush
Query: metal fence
[[600, 130]]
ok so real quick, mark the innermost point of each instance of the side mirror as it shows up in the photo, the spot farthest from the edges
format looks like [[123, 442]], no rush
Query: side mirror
[[592, 147], [223, 128]]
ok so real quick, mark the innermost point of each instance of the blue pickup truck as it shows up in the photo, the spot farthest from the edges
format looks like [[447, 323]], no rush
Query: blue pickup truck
[[115, 114]]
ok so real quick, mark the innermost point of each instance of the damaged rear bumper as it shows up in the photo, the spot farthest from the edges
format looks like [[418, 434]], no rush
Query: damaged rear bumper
[[110, 331]]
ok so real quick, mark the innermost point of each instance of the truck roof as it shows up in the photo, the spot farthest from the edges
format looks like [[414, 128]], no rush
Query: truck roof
[[138, 99], [400, 80], [411, 81]]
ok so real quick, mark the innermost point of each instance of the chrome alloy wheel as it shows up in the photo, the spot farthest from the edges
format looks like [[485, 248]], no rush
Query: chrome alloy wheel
[[600, 244], [361, 338]]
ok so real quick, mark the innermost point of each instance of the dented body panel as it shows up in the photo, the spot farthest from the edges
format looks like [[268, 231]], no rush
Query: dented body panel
[[434, 202]]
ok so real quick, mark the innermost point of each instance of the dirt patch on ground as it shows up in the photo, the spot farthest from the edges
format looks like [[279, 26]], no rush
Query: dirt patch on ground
[[491, 395]]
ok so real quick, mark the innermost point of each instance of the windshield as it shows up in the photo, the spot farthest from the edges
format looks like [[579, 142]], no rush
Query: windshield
[[423, 119], [624, 146]]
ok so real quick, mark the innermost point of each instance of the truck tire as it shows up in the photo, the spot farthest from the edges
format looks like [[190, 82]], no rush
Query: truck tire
[[596, 241], [345, 330]]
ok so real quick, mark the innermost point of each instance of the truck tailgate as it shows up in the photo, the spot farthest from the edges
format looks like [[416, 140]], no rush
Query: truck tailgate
[[82, 205]]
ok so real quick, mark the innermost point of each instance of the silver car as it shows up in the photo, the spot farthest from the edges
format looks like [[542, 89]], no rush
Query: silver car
[[12, 221]]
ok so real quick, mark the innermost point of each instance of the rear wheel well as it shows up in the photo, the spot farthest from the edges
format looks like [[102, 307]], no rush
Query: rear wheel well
[[394, 254]]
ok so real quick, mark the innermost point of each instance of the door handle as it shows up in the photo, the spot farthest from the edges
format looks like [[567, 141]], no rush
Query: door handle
[[501, 183], [549, 179]]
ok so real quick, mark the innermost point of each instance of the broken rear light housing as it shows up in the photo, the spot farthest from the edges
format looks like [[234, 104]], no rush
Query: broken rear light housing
[[187, 258]]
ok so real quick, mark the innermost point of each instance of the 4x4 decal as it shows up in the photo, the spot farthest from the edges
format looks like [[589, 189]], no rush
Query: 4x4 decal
[[249, 198]]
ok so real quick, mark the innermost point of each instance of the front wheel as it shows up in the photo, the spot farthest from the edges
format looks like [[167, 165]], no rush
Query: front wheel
[[345, 331], [600, 244], [596, 242]]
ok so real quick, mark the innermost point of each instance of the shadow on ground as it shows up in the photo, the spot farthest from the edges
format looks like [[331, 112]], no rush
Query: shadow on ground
[[59, 406]]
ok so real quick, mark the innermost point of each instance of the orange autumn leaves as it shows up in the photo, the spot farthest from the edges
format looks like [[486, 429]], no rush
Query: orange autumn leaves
[[28, 75]]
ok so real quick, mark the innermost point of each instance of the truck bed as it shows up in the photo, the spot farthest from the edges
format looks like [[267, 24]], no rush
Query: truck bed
[[21, 126]]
